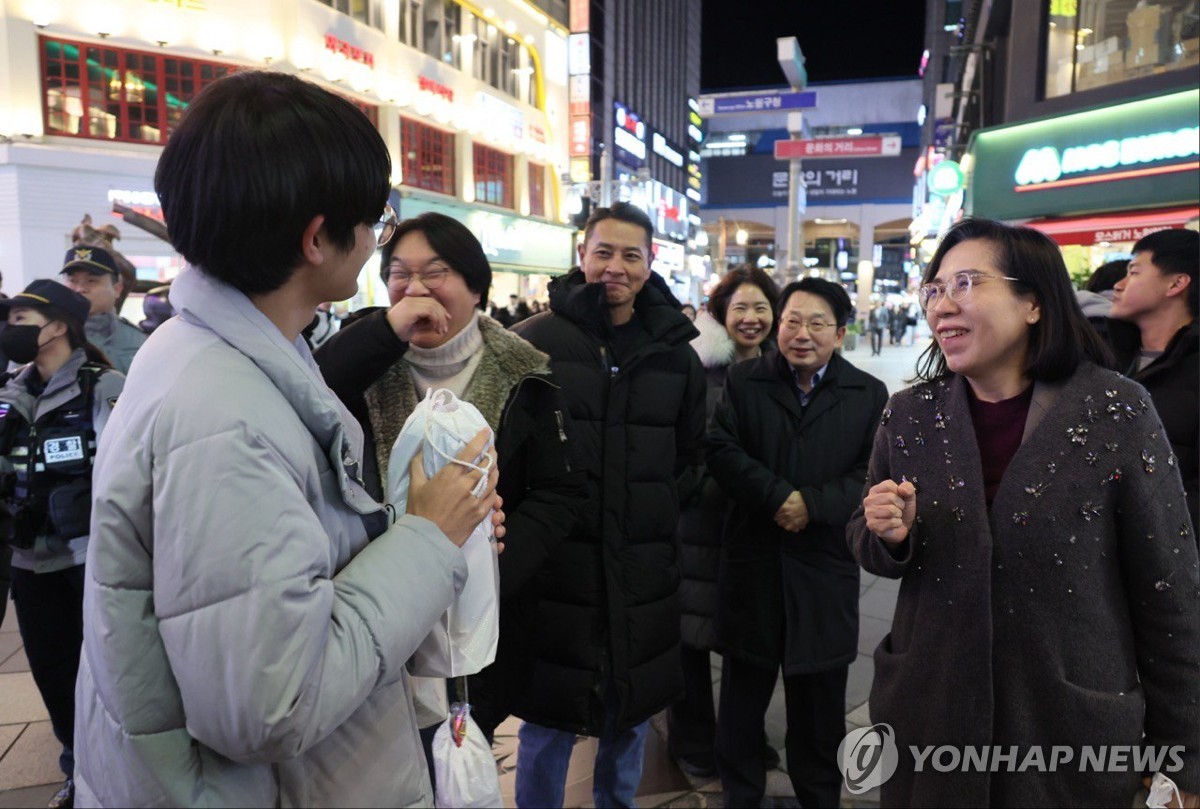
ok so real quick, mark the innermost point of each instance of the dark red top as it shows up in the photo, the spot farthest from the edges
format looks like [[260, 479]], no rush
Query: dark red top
[[998, 430]]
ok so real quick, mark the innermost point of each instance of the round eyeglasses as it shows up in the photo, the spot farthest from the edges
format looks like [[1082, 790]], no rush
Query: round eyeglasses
[[814, 325], [385, 228], [433, 277], [957, 288]]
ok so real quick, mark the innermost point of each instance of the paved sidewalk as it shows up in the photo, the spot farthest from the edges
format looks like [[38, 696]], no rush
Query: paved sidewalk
[[29, 773]]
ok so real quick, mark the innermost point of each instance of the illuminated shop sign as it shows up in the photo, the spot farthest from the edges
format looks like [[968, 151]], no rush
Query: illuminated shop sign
[[143, 202], [663, 149], [579, 54], [351, 52], [629, 135], [945, 178], [1136, 154], [431, 86], [505, 117], [1044, 166]]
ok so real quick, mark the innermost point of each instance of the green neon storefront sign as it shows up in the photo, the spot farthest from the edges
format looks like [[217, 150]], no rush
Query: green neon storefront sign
[[1140, 153]]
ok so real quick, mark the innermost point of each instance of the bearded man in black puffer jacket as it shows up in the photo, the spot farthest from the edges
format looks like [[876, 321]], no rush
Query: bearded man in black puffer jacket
[[608, 612]]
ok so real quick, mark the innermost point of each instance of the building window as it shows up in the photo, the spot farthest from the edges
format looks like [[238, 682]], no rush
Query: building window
[[507, 63], [455, 36], [368, 12], [493, 177], [427, 157], [537, 190], [440, 31], [117, 94], [410, 23], [482, 37], [1093, 43]]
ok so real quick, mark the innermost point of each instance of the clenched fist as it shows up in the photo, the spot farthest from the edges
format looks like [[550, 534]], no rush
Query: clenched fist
[[890, 509]]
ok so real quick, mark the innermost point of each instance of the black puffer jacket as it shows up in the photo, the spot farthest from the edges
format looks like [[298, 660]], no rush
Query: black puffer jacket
[[1173, 381], [609, 611], [542, 494]]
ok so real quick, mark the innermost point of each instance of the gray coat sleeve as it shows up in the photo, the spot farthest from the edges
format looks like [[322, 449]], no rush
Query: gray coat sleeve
[[270, 650], [1159, 566], [873, 554]]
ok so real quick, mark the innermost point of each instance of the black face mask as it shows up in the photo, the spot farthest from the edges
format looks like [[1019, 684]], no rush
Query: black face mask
[[20, 343]]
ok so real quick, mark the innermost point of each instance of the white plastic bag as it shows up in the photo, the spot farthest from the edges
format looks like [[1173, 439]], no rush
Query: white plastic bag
[[464, 639], [1162, 791], [464, 768]]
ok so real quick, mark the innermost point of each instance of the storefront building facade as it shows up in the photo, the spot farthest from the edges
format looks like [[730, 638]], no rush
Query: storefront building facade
[[1076, 116], [1094, 180], [471, 102]]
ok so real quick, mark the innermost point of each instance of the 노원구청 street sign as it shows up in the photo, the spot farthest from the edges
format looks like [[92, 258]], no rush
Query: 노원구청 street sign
[[757, 102], [824, 148]]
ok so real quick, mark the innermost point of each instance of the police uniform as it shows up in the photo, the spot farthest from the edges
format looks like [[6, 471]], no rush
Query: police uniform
[[48, 435], [116, 337]]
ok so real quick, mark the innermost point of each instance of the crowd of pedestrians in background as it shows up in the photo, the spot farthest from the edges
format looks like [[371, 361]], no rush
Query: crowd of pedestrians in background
[[668, 484]]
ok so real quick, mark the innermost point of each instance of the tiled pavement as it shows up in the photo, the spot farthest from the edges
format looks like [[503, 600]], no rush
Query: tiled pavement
[[29, 773]]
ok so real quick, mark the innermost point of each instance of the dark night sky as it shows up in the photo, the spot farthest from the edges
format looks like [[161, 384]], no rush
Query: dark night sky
[[840, 39]]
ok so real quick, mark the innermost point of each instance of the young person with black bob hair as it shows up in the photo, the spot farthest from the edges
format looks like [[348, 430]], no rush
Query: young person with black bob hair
[[789, 444], [1020, 493], [250, 606], [382, 362], [53, 410]]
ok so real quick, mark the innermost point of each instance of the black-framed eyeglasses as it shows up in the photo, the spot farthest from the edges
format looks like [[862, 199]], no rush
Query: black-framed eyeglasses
[[385, 228], [432, 277], [815, 325], [957, 288]]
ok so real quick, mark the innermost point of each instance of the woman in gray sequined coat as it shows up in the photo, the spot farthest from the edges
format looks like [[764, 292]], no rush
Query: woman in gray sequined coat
[[1028, 500]]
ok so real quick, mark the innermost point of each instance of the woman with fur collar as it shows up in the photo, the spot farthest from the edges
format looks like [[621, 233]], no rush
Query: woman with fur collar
[[381, 362], [738, 322]]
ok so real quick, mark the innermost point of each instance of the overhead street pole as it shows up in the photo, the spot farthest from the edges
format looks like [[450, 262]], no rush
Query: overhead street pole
[[795, 234], [791, 62]]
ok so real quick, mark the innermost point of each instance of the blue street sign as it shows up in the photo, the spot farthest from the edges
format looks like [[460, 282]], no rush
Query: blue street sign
[[758, 102]]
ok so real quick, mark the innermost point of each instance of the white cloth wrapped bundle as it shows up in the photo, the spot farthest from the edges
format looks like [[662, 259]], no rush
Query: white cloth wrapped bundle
[[464, 640]]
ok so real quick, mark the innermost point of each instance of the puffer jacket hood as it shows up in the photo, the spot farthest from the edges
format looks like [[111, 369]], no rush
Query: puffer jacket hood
[[1093, 303], [658, 310]]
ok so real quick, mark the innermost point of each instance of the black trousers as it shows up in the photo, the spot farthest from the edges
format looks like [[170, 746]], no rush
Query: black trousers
[[876, 341], [5, 575], [816, 723], [692, 721], [50, 616]]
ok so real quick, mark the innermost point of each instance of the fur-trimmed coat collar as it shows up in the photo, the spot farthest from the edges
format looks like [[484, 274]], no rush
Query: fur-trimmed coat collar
[[714, 346], [506, 360]]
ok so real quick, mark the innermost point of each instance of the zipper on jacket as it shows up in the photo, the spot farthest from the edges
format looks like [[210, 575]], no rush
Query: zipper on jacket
[[512, 397], [562, 438], [611, 370]]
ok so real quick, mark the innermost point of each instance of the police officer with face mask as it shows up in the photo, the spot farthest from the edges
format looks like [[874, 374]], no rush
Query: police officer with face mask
[[52, 411]]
